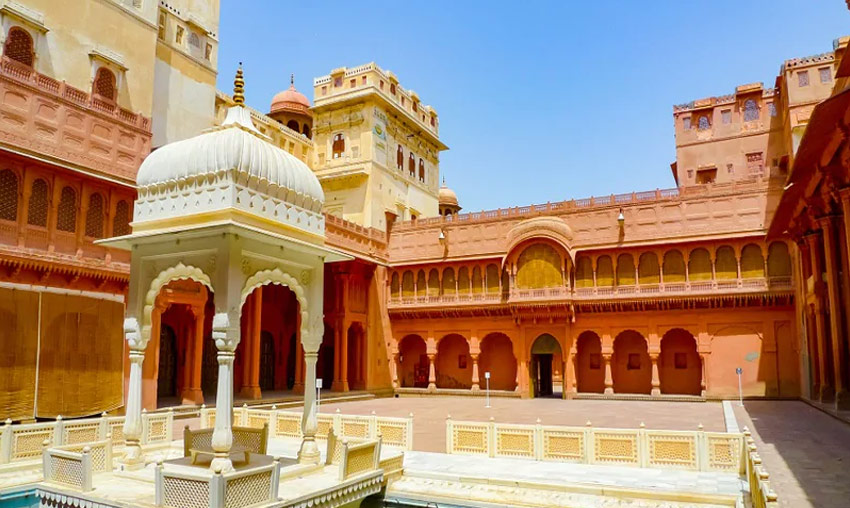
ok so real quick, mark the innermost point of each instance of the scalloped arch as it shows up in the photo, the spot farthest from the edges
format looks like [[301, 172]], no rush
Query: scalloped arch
[[176, 272], [277, 276]]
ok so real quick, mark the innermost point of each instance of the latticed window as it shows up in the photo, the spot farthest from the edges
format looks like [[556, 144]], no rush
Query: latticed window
[[66, 218], [160, 34], [803, 78], [338, 146], [94, 216], [104, 84], [411, 164], [37, 209], [194, 40], [726, 116], [771, 109], [686, 123], [121, 224], [8, 195], [703, 124], [18, 46], [825, 74], [751, 111]]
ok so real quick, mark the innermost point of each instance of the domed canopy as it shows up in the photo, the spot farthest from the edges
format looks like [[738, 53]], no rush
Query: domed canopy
[[447, 197], [290, 100]]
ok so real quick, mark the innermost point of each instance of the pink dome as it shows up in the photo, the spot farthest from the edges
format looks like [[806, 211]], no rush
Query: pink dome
[[290, 100]]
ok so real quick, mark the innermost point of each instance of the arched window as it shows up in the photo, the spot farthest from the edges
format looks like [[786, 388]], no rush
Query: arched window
[[584, 272], [604, 271], [411, 164], [648, 270], [725, 263], [338, 145], [8, 195], [539, 266], [778, 260], [626, 270], [699, 265], [399, 157], [752, 262], [306, 131], [421, 284], [673, 267], [421, 170], [449, 284], [394, 286], [104, 84], [703, 124], [37, 209], [492, 278], [94, 216], [66, 217], [407, 290], [194, 40], [18, 46], [751, 111], [292, 124], [121, 223]]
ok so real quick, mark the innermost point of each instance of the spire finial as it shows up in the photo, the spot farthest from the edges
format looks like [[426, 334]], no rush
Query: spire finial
[[444, 180], [292, 79], [239, 87]]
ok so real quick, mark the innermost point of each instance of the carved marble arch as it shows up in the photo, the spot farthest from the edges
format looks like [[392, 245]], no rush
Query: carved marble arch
[[277, 276], [176, 272]]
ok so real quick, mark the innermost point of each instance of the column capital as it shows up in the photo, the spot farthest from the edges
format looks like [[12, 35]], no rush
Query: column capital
[[826, 220], [845, 194]]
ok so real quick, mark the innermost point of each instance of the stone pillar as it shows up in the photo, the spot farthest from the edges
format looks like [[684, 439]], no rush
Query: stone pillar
[[226, 339], [251, 350], [344, 355], [309, 452], [338, 385], [656, 380], [150, 368], [825, 384], [842, 397], [192, 393], [609, 377], [432, 371], [133, 457], [572, 373], [395, 369], [703, 383], [298, 387], [475, 380]]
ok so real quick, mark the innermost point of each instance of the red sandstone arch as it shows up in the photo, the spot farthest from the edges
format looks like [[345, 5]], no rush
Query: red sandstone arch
[[679, 364], [356, 357], [413, 362], [632, 368], [453, 365], [497, 358], [590, 370]]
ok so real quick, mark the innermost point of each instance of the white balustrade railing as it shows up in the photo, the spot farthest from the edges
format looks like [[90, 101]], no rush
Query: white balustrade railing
[[690, 450], [394, 432], [251, 486], [22, 442], [73, 465], [761, 494]]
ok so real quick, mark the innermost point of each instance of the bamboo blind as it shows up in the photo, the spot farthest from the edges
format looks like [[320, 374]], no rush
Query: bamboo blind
[[18, 352]]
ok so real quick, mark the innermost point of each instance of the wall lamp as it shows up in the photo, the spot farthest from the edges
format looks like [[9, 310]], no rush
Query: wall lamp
[[621, 219]]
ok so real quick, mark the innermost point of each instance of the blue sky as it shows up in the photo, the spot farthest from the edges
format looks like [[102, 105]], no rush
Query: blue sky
[[537, 101]]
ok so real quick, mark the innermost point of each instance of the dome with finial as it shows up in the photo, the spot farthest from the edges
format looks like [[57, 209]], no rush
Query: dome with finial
[[229, 166], [447, 197], [290, 100]]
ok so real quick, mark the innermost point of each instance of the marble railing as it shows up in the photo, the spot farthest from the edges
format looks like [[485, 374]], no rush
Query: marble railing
[[664, 449], [50, 117], [762, 495], [395, 432], [23, 442], [250, 486], [516, 295], [73, 465]]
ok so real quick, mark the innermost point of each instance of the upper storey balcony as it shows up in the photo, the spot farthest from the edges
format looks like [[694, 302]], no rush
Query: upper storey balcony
[[53, 121]]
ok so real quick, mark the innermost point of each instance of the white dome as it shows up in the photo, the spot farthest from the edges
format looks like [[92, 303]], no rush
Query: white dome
[[235, 146]]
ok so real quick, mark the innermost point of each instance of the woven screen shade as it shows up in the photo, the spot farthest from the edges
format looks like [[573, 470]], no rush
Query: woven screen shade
[[81, 366], [18, 353]]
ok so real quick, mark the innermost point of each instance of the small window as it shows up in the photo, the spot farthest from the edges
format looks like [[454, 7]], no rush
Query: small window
[[179, 37], [121, 223], [363, 80], [708, 175], [37, 210], [634, 362], [19, 46], [751, 111], [337, 82], [392, 88], [433, 121], [595, 361], [208, 52], [415, 106], [381, 84], [690, 174], [66, 216], [411, 164], [399, 157], [160, 33], [771, 109], [104, 84], [421, 170], [755, 163], [194, 40], [402, 101], [825, 74], [94, 216], [352, 83], [803, 78], [686, 123], [324, 90], [8, 195], [726, 116], [680, 360], [338, 146], [461, 361], [730, 169], [703, 124]]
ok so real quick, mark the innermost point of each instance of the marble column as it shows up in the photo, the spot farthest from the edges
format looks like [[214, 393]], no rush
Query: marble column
[[133, 457], [656, 379], [609, 377], [309, 452], [825, 384], [298, 387], [226, 339], [432, 371], [836, 313], [475, 380]]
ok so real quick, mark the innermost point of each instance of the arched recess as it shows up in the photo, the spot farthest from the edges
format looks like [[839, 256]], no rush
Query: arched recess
[[625, 270], [454, 367], [421, 284], [477, 280], [449, 283], [539, 266], [407, 284], [699, 265], [584, 272], [433, 283], [357, 356], [492, 279], [395, 287], [648, 270], [590, 371], [725, 265], [497, 358], [277, 276], [8, 195], [679, 364], [413, 362], [545, 354], [752, 262], [463, 281], [176, 272], [166, 371], [604, 271], [778, 260], [674, 266], [632, 368]]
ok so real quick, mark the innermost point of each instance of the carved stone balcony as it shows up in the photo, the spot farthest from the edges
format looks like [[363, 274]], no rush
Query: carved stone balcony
[[46, 117], [718, 287]]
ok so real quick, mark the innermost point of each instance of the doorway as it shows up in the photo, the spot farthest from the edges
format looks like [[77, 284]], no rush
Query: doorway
[[166, 385], [267, 361], [543, 353]]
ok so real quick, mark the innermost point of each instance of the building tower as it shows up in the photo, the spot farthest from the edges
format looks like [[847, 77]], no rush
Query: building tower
[[377, 147], [292, 109], [448, 201]]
